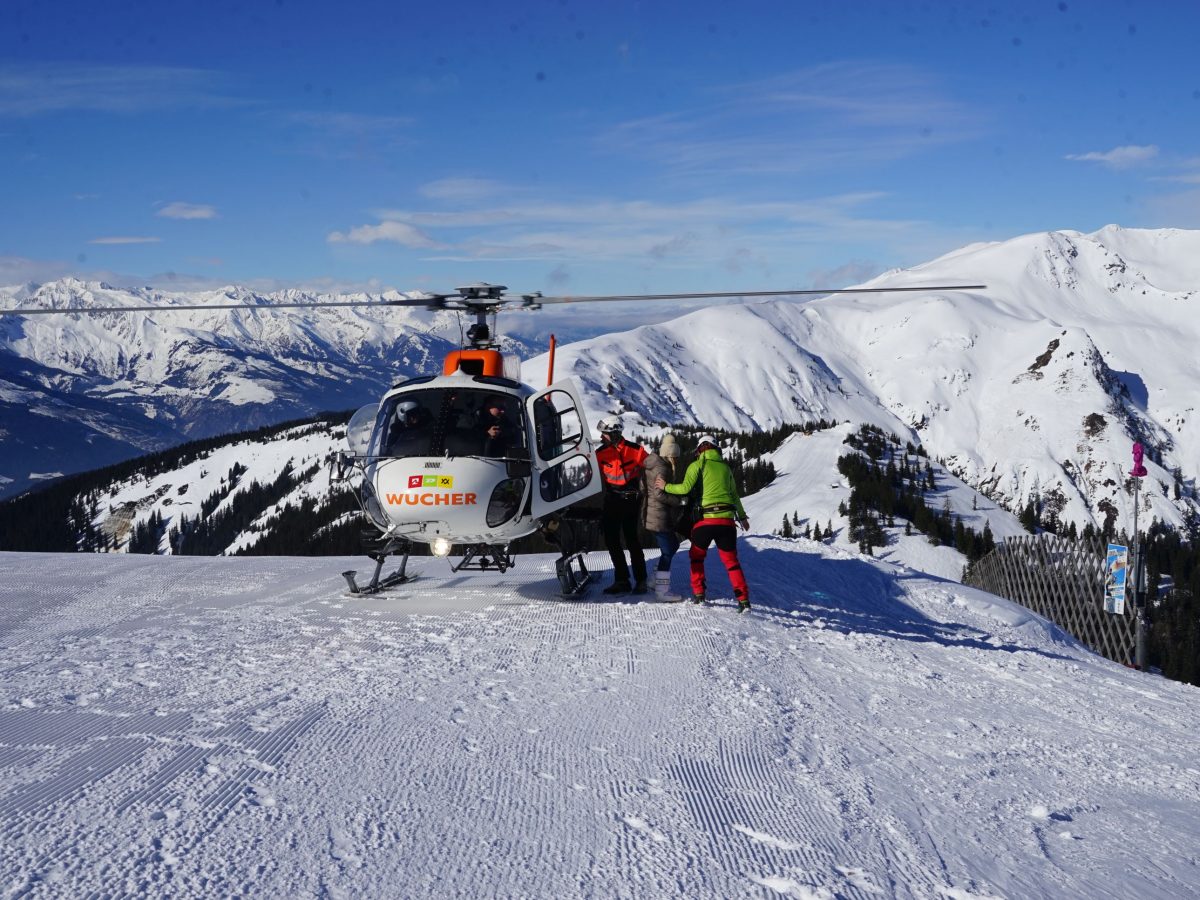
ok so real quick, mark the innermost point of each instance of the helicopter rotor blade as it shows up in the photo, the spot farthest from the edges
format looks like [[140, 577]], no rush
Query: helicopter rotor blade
[[713, 295], [433, 301], [454, 301]]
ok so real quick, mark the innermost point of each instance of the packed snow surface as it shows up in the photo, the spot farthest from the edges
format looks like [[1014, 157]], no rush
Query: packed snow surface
[[187, 727]]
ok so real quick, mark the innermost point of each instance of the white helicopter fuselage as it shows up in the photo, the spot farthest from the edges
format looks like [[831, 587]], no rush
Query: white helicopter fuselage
[[426, 498], [436, 471]]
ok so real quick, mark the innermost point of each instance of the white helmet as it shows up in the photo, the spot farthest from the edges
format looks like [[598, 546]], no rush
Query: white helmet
[[406, 406], [706, 439], [610, 425]]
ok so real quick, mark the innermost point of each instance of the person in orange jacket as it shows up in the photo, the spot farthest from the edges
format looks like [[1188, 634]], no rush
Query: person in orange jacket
[[621, 464]]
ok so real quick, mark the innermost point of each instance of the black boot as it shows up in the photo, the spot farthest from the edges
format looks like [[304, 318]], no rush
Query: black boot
[[617, 587]]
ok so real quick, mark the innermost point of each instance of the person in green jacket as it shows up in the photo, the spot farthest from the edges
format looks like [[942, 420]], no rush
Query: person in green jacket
[[720, 509]]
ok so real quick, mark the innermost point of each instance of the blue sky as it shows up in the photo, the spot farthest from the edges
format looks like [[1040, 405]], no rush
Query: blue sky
[[579, 147]]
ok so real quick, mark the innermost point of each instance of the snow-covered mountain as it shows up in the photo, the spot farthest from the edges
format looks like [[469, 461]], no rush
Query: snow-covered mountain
[[80, 391], [1030, 390], [1033, 389]]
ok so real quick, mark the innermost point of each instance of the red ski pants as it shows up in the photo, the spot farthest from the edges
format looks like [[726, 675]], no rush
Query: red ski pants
[[724, 533]]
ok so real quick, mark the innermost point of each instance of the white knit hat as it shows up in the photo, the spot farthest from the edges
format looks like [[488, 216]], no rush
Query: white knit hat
[[668, 449]]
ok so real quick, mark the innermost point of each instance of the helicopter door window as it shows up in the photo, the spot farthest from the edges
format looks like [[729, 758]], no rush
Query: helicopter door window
[[558, 425], [568, 477]]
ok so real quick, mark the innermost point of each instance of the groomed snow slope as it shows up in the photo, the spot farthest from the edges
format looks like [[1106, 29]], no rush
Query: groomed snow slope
[[212, 727]]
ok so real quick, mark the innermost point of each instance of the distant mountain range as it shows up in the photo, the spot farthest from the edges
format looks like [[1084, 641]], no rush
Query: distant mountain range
[[1032, 390], [81, 391]]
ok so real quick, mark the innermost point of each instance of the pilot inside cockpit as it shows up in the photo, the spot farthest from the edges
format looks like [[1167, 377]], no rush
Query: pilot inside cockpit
[[409, 431]]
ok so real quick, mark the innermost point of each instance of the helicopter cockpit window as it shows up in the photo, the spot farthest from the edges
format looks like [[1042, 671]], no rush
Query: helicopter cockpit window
[[502, 426], [442, 422], [558, 425], [406, 427]]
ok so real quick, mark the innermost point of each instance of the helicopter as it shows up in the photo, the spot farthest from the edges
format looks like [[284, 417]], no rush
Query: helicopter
[[472, 457]]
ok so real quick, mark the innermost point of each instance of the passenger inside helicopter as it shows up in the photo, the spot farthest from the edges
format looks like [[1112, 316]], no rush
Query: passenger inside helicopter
[[498, 429]]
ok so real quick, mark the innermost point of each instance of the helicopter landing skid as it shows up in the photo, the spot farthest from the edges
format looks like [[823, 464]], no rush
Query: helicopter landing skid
[[484, 558], [573, 574], [400, 576]]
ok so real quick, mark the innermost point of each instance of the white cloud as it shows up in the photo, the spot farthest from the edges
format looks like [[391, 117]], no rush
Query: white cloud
[[1181, 210], [23, 270], [748, 237], [1187, 172], [629, 213], [462, 189], [31, 90], [397, 232], [346, 136], [178, 210], [125, 240], [348, 124], [856, 271], [1119, 157], [831, 114], [17, 270], [1189, 178]]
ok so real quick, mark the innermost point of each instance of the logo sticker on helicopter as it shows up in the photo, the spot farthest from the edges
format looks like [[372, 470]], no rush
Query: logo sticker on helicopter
[[428, 481]]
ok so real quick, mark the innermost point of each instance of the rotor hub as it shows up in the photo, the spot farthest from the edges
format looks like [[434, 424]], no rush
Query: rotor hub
[[481, 290]]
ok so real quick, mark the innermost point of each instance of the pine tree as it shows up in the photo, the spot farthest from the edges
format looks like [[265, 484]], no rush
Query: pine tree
[[1028, 518]]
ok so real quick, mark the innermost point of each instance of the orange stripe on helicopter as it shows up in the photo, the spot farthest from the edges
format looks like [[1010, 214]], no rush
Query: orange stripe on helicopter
[[431, 499]]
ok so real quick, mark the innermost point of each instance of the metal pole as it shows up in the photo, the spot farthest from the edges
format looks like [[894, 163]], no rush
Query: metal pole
[[1139, 599]]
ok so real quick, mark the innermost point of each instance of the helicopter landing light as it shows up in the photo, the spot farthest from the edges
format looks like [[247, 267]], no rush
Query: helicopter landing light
[[440, 547]]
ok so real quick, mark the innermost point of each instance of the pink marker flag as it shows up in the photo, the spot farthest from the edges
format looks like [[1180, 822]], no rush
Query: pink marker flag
[[1139, 470]]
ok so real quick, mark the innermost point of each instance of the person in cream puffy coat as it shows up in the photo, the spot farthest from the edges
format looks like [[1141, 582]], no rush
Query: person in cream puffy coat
[[660, 511]]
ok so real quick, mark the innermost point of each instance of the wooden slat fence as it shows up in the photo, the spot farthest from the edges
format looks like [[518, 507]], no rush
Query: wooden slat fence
[[1064, 582]]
